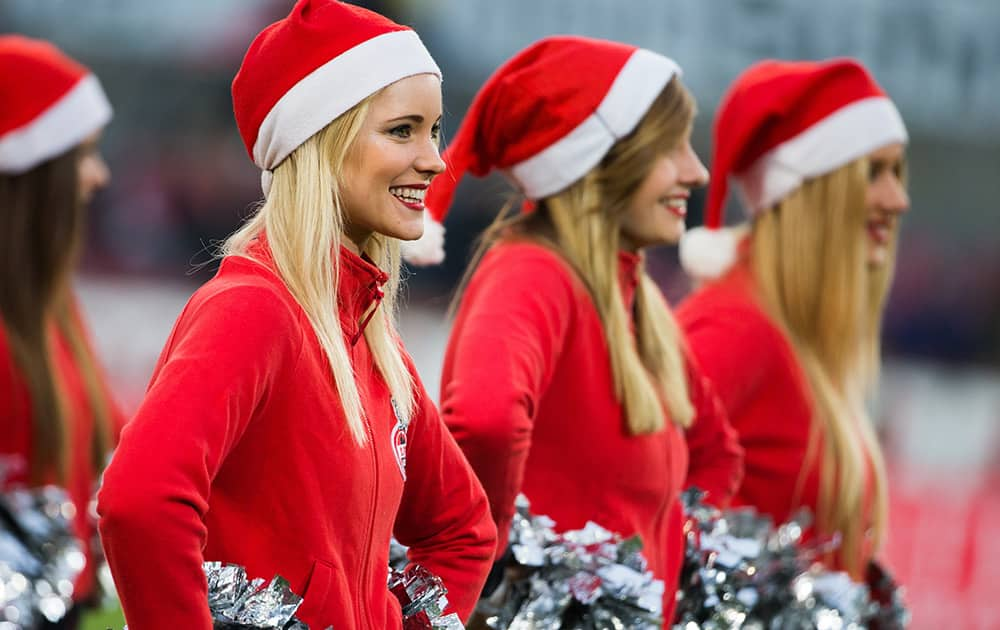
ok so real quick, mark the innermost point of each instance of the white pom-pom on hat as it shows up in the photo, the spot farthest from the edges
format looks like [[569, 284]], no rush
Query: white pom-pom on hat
[[429, 248], [706, 254]]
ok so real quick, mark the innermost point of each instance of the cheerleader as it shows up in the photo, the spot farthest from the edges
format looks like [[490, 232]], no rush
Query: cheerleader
[[58, 419], [565, 377], [788, 329], [285, 428]]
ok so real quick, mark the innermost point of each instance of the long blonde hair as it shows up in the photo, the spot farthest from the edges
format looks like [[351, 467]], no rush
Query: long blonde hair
[[809, 261], [303, 220], [583, 224]]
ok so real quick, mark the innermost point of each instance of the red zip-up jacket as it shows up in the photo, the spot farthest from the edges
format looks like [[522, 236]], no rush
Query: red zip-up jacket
[[17, 439], [527, 392], [240, 453], [765, 391]]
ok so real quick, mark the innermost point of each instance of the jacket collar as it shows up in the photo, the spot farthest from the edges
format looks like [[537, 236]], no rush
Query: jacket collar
[[359, 292], [359, 287]]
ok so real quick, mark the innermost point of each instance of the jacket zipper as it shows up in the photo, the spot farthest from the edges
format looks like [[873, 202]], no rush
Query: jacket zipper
[[365, 576]]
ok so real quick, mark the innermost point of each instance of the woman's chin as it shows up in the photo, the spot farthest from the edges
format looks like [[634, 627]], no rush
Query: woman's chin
[[670, 236], [877, 256], [673, 237], [408, 232]]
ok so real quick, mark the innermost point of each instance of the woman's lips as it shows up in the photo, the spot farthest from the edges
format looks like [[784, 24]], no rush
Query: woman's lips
[[880, 232]]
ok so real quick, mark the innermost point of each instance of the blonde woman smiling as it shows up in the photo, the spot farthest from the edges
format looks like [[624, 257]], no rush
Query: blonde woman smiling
[[285, 428], [565, 377], [789, 333]]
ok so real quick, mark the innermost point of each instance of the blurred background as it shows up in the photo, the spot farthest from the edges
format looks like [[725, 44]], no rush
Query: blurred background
[[182, 181]]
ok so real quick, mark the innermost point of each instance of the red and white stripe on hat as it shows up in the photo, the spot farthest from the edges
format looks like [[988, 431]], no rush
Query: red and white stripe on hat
[[621, 105], [780, 124], [48, 103], [547, 117], [305, 70]]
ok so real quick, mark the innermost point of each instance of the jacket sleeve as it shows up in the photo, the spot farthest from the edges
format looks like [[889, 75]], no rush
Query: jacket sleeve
[[733, 349], [714, 453], [509, 333], [212, 374], [444, 516]]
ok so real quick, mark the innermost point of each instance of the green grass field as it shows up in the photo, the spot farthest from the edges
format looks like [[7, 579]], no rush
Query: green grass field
[[103, 619]]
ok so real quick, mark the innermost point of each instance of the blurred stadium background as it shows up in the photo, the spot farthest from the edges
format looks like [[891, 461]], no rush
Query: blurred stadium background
[[182, 182]]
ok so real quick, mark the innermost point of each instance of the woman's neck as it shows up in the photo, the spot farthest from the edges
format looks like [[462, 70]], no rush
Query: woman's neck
[[355, 240], [625, 244]]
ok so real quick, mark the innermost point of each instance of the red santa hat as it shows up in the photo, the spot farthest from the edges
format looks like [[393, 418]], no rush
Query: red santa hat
[[48, 103], [305, 70], [780, 124], [547, 117]]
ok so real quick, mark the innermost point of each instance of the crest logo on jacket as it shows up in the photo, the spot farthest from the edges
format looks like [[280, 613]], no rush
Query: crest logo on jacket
[[398, 439]]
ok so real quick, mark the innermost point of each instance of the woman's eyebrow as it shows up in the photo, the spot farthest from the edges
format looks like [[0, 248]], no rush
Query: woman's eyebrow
[[416, 118]]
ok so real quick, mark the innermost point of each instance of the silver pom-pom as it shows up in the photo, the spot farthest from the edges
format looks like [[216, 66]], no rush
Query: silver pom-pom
[[586, 579], [742, 573], [40, 557]]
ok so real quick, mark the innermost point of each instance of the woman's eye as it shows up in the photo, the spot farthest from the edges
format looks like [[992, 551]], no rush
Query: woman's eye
[[402, 131], [436, 131]]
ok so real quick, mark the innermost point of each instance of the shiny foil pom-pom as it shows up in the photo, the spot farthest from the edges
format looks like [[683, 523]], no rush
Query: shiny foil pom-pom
[[742, 573], [586, 579], [238, 603], [40, 557], [421, 596]]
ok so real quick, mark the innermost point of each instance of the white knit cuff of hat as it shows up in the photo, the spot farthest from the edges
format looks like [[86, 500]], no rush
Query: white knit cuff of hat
[[335, 87], [79, 113], [848, 134], [633, 91]]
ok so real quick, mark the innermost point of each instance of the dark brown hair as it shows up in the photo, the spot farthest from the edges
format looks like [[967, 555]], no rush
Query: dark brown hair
[[41, 229]]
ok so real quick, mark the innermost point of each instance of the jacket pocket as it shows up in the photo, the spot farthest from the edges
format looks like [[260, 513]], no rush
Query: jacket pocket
[[317, 595]]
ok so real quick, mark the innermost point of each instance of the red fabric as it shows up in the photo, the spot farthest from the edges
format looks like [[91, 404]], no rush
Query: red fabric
[[772, 102], [764, 390], [240, 453], [30, 62], [284, 53], [715, 457], [528, 394], [16, 441]]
